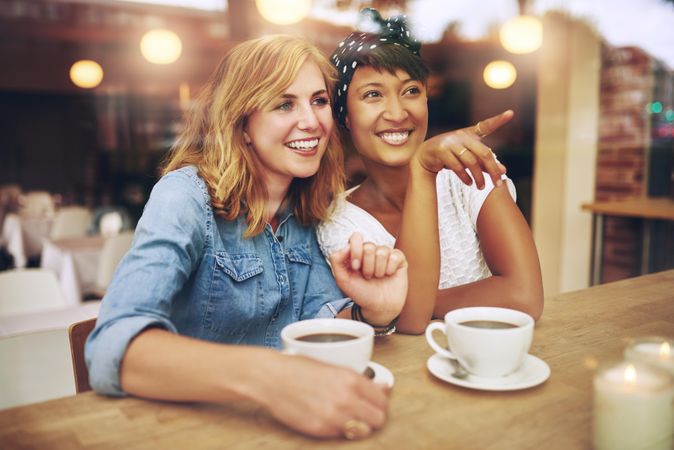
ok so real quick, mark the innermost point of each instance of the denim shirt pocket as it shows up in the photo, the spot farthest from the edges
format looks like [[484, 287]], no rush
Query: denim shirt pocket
[[236, 295], [300, 254], [239, 267]]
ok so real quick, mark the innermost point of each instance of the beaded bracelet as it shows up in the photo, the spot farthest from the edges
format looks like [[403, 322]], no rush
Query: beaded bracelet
[[357, 314]]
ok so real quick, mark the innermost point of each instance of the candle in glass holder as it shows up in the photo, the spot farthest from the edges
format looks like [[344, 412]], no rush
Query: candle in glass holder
[[633, 408], [658, 351]]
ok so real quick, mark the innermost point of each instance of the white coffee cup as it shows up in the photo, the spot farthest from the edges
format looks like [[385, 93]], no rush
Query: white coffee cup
[[305, 338], [483, 351]]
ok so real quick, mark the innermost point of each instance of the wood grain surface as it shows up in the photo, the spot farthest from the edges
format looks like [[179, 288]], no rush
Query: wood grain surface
[[578, 331], [645, 208]]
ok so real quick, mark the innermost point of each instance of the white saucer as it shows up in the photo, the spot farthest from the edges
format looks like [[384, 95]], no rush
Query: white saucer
[[533, 372], [381, 374]]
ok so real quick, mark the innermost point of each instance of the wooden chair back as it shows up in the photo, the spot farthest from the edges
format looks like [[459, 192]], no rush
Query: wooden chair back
[[77, 334]]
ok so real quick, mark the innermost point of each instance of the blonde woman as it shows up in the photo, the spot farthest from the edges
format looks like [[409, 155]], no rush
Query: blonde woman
[[226, 253]]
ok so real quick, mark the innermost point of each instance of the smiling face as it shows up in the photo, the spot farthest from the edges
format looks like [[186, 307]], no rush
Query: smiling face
[[387, 115], [290, 136]]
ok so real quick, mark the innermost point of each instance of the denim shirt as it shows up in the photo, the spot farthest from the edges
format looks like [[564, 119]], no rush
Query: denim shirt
[[193, 273]]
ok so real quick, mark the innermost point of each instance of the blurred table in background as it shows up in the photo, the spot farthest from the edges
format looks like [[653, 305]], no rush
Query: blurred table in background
[[652, 210], [59, 319], [23, 236], [75, 262]]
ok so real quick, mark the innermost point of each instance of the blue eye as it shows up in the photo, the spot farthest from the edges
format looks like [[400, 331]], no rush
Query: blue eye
[[321, 101], [285, 106]]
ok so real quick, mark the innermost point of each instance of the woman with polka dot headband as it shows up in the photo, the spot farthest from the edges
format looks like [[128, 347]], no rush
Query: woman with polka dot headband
[[445, 202]]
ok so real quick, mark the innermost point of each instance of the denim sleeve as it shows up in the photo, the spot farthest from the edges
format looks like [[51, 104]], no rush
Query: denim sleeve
[[167, 247], [323, 299]]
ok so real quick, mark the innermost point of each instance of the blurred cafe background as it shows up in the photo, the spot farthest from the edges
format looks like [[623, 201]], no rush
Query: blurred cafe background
[[92, 94]]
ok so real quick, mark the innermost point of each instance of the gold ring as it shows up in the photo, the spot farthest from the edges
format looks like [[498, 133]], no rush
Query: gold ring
[[479, 131], [464, 150], [355, 429]]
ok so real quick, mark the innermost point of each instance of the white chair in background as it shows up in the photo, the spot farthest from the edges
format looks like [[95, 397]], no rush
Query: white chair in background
[[35, 367], [111, 224], [70, 222], [26, 291], [114, 249]]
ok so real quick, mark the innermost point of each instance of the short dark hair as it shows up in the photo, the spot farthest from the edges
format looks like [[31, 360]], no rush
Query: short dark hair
[[393, 57]]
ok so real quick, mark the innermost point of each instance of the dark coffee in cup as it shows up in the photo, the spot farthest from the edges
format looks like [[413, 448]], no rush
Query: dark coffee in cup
[[341, 342], [487, 341], [488, 324], [326, 337]]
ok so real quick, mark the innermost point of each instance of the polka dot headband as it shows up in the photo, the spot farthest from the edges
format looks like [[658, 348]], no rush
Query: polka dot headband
[[377, 31]]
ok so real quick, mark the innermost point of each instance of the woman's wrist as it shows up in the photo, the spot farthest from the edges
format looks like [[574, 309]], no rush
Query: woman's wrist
[[383, 323], [421, 168]]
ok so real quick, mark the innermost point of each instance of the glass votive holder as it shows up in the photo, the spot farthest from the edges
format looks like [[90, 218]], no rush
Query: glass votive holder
[[633, 407], [654, 350]]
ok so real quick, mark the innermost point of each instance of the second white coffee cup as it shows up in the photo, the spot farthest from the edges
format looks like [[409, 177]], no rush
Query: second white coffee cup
[[487, 341], [341, 342]]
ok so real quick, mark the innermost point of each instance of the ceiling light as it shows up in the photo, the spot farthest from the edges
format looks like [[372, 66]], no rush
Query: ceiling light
[[499, 74], [283, 12], [522, 34], [86, 73], [161, 46]]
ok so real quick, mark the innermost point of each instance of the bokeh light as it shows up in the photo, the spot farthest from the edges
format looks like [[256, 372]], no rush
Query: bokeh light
[[656, 107], [499, 74], [522, 34], [283, 12], [86, 73], [161, 46]]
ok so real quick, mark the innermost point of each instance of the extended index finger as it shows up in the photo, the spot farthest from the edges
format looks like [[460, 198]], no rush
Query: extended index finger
[[486, 127]]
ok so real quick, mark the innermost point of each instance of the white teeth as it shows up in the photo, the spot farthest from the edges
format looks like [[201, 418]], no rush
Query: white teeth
[[303, 145], [395, 138]]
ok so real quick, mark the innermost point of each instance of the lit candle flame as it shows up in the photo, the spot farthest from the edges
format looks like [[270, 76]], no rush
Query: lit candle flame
[[630, 374], [664, 350]]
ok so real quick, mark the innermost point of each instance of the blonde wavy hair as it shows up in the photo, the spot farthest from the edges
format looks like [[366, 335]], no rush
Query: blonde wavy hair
[[249, 78]]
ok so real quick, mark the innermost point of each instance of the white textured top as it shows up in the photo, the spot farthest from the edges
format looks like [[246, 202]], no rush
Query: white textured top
[[461, 260]]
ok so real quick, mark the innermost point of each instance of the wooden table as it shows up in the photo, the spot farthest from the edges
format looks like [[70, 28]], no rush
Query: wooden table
[[649, 209], [578, 331]]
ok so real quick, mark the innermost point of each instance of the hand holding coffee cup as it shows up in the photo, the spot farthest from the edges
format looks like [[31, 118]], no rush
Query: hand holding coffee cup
[[341, 342], [486, 341]]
